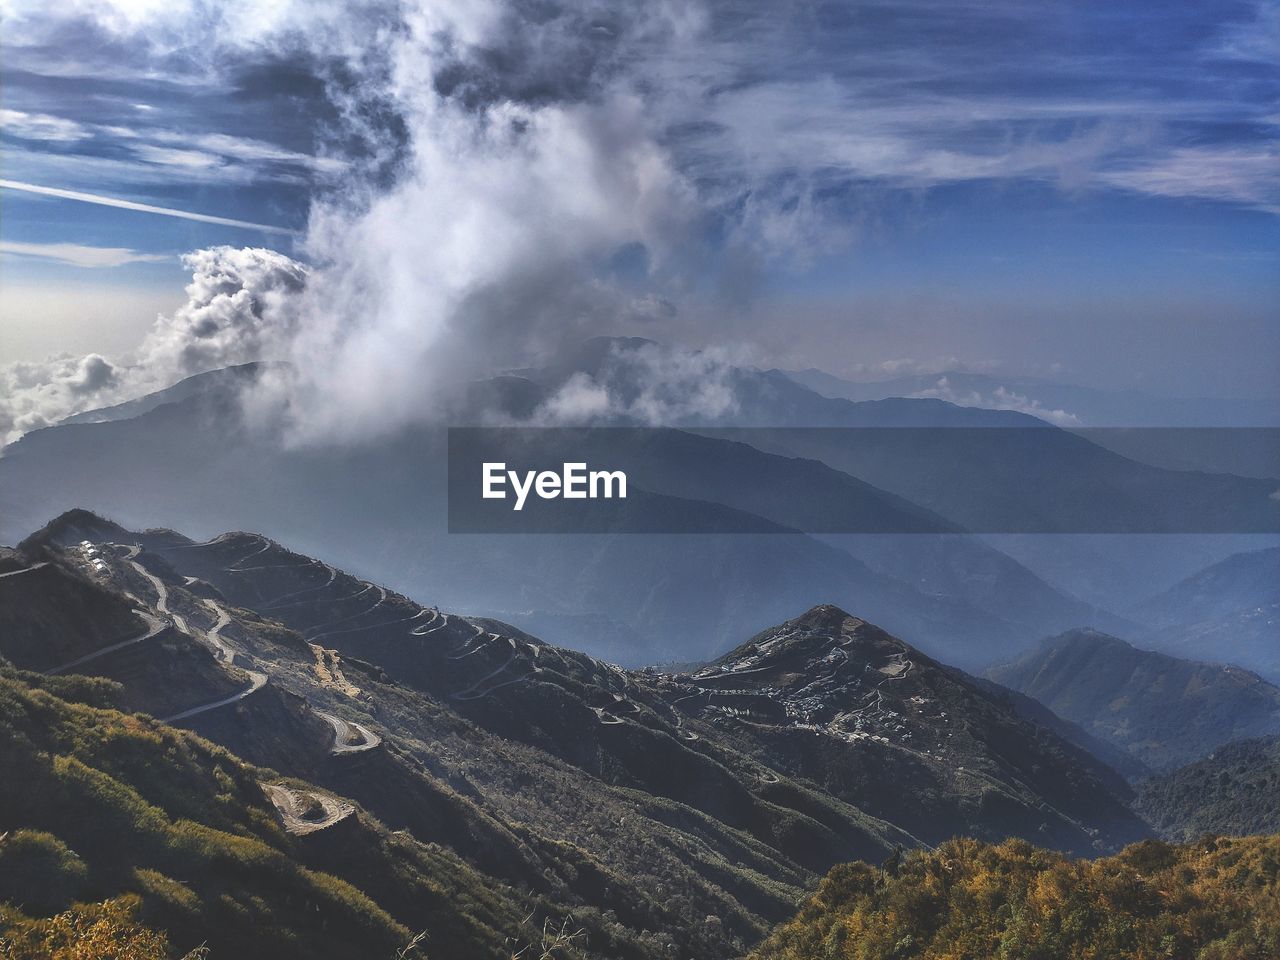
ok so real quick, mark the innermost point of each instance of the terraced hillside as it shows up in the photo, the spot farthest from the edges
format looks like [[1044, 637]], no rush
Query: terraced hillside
[[189, 845], [642, 802]]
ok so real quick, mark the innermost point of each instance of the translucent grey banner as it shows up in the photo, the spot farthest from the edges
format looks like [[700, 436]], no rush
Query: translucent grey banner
[[831, 480]]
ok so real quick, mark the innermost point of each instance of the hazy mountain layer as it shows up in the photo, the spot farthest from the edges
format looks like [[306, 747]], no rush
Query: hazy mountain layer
[[1229, 611], [1164, 710], [1085, 406], [635, 598]]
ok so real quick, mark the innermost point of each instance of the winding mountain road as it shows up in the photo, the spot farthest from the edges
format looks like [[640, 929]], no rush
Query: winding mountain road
[[304, 811], [256, 682], [33, 567], [162, 592], [154, 626], [214, 633], [278, 604], [349, 736]]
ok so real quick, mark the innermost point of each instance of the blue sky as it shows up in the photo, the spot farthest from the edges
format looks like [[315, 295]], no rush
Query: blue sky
[[1086, 188]]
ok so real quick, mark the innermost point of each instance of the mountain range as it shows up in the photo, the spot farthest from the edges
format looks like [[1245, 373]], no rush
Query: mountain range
[[1231, 608], [184, 458], [641, 803], [1082, 406]]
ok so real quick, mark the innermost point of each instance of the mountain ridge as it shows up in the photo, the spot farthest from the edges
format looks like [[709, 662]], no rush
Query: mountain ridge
[[1165, 710], [601, 788]]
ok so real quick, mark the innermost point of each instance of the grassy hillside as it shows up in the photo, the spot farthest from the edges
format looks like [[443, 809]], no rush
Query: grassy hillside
[[1217, 899], [178, 839]]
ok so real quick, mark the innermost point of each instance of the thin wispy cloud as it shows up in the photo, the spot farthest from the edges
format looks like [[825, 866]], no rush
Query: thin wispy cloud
[[42, 127], [81, 255], [1238, 174], [138, 154]]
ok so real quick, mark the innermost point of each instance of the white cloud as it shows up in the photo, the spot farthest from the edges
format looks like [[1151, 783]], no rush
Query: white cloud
[[241, 306], [1240, 174], [1255, 39], [1002, 398], [494, 207], [249, 150], [132, 205], [171, 157], [211, 156], [651, 384], [477, 253], [42, 126], [35, 395], [80, 255]]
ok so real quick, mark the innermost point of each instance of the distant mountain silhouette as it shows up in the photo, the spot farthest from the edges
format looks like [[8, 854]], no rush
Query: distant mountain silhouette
[[1088, 406]]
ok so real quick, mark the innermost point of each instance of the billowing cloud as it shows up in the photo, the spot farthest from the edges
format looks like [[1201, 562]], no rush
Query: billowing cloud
[[35, 395], [241, 306], [494, 166], [650, 384]]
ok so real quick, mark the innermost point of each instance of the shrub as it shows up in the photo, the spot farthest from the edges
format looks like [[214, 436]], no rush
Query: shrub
[[39, 872]]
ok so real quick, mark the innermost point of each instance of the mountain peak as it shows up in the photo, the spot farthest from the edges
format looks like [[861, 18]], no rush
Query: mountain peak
[[71, 527], [1087, 638]]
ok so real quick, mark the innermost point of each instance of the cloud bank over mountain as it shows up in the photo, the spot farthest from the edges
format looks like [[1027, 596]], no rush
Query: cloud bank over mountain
[[491, 180], [241, 305]]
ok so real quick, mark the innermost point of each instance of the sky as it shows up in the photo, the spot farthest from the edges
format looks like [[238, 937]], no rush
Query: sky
[[1084, 190]]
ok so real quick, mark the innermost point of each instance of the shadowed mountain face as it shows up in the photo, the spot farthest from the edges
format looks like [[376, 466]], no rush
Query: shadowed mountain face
[[862, 689], [1163, 710], [661, 797], [1234, 791]]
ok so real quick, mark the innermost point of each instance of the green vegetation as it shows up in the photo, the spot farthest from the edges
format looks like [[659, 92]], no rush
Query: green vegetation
[[1217, 899], [175, 841], [1163, 710], [1235, 790]]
